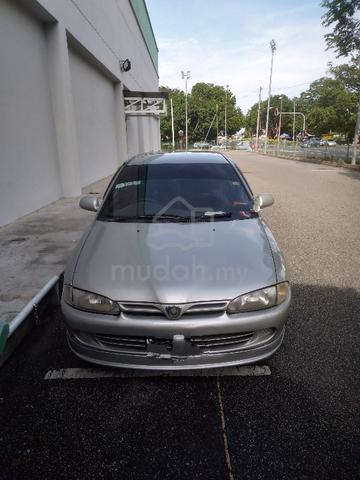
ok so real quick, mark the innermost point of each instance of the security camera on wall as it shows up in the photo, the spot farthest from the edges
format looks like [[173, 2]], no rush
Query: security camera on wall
[[125, 65]]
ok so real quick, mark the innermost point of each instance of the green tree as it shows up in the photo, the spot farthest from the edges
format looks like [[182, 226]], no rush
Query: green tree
[[348, 75], [345, 37], [204, 101], [286, 120], [343, 16], [178, 99], [328, 106]]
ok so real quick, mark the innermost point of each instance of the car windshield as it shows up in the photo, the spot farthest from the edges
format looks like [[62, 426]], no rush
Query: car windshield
[[177, 192]]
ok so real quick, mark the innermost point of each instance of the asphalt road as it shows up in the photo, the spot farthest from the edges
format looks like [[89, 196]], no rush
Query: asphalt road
[[301, 422]]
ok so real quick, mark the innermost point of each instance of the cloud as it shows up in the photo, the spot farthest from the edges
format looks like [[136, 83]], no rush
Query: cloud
[[244, 64]]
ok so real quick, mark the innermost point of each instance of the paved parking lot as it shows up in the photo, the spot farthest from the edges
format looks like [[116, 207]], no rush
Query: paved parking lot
[[301, 421]]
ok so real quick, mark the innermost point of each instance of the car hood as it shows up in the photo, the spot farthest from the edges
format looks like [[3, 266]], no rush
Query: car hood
[[175, 262]]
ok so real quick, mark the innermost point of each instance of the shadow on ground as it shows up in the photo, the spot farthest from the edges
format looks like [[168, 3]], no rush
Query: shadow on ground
[[351, 174], [300, 422]]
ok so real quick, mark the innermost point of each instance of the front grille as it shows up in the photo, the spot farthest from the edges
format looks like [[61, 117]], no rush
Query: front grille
[[220, 343], [159, 309], [206, 307], [124, 343], [140, 308], [132, 344], [201, 344]]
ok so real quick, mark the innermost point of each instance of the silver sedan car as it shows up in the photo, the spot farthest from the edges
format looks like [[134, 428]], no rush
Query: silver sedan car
[[178, 269]]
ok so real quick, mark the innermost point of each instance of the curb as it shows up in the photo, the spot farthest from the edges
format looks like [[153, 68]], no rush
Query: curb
[[33, 314], [4, 333]]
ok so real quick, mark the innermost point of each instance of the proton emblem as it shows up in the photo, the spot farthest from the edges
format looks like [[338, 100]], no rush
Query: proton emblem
[[173, 312]]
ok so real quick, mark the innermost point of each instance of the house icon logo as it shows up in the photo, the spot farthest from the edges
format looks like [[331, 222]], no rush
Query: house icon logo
[[185, 235]]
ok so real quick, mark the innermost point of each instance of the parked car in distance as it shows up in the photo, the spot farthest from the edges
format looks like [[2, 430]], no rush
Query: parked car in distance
[[330, 143], [311, 143], [178, 270], [285, 136], [218, 147], [202, 145], [243, 145]]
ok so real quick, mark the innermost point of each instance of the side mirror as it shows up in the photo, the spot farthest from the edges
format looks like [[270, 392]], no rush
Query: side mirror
[[90, 203], [261, 201]]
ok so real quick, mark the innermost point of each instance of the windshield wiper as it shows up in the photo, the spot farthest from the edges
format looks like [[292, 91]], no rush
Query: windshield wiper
[[168, 217], [178, 218], [126, 218], [194, 218], [212, 214], [150, 217]]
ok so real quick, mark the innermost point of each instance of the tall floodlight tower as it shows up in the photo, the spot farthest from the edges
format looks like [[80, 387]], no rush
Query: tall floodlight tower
[[227, 86], [273, 48], [186, 76]]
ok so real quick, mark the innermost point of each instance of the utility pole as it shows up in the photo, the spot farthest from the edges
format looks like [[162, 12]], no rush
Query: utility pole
[[211, 124], [273, 48], [258, 122], [172, 124], [186, 76], [227, 86], [217, 123], [356, 136], [279, 130], [294, 124]]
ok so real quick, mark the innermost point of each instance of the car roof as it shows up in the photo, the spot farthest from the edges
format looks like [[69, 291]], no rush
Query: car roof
[[178, 158]]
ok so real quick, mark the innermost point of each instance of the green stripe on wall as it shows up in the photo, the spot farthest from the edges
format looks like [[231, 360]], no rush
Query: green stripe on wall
[[143, 19]]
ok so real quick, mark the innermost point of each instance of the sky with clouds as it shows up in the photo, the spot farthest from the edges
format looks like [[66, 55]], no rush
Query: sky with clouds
[[227, 42]]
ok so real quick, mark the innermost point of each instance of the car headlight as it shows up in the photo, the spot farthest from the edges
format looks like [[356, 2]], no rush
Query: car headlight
[[90, 302], [260, 299]]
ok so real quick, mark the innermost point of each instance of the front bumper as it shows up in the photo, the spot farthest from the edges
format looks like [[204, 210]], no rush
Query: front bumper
[[192, 342]]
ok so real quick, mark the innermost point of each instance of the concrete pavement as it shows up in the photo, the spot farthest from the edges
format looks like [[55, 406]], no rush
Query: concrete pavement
[[35, 248]]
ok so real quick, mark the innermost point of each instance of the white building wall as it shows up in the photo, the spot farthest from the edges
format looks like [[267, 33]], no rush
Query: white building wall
[[62, 120], [143, 134], [132, 131], [29, 175], [108, 30], [63, 109], [154, 134], [94, 105]]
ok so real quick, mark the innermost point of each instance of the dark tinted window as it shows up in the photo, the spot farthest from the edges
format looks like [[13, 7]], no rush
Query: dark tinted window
[[176, 189]]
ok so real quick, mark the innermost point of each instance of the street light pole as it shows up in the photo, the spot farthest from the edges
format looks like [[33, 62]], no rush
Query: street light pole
[[258, 122], [293, 113], [294, 124], [186, 76], [356, 137], [172, 124], [227, 86], [304, 121], [217, 123], [279, 130], [273, 48]]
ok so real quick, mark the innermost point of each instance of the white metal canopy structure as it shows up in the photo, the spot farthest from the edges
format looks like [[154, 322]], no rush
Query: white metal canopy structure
[[145, 103]]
